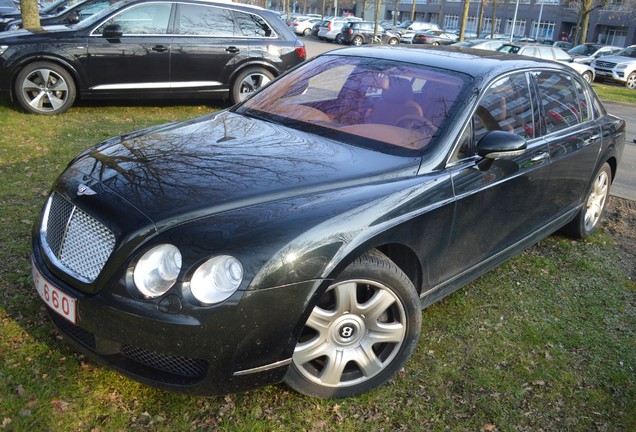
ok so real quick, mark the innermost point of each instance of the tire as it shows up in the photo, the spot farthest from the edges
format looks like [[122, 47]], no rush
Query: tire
[[393, 41], [587, 220], [435, 43], [587, 76], [361, 332], [306, 32], [357, 41], [339, 38], [45, 88], [248, 81], [631, 81]]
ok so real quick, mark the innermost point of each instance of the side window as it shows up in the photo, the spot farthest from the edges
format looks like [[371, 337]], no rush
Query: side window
[[559, 99], [507, 106], [143, 19], [252, 25], [582, 106], [205, 21]]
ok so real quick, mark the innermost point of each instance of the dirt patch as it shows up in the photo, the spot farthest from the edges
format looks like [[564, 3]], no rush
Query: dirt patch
[[620, 222]]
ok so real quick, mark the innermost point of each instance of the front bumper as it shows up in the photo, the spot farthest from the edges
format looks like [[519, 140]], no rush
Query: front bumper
[[220, 350], [613, 74]]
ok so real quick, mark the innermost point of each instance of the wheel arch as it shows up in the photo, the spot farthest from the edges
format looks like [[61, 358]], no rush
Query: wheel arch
[[45, 58], [265, 65]]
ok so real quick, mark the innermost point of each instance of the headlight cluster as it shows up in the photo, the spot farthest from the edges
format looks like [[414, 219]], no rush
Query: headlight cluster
[[212, 282]]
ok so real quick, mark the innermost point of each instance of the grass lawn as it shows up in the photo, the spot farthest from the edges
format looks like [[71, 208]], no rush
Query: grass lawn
[[546, 342]]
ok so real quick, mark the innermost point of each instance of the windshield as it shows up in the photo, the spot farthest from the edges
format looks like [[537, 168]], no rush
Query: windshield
[[627, 52], [584, 50], [374, 103]]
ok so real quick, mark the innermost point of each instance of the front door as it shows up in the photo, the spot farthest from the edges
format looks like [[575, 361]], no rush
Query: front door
[[139, 61]]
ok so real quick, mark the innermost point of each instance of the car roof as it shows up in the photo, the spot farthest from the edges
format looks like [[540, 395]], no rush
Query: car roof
[[460, 59]]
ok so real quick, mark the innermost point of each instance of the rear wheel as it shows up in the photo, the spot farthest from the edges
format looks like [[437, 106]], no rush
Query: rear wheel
[[587, 76], [393, 41], [339, 38], [588, 218], [45, 88], [361, 332], [631, 81], [248, 81], [357, 41], [306, 32]]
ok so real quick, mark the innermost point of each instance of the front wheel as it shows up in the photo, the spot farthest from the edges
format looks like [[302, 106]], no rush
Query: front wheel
[[45, 88], [631, 81], [588, 218], [248, 82], [393, 41], [360, 333]]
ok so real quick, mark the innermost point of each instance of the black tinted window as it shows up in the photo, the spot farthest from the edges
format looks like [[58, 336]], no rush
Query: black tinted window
[[561, 105], [205, 21], [142, 19], [252, 25]]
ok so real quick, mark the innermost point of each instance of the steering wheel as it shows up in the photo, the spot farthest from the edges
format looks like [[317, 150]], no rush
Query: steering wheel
[[415, 122]]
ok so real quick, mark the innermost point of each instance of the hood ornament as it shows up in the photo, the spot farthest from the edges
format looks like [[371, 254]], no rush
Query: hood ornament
[[85, 190]]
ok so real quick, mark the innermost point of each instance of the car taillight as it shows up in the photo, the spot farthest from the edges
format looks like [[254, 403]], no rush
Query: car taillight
[[329, 26], [350, 31], [295, 24], [300, 50]]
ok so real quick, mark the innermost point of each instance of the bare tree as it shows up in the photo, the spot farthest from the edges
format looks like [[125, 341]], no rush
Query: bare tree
[[462, 27], [585, 8], [480, 20], [30, 14], [413, 11]]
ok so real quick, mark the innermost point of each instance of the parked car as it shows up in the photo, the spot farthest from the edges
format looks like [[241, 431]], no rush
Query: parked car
[[331, 29], [485, 44], [587, 52], [71, 15], [297, 235], [362, 32], [316, 28], [303, 26], [200, 49], [620, 67], [549, 53], [389, 24], [434, 37], [406, 34]]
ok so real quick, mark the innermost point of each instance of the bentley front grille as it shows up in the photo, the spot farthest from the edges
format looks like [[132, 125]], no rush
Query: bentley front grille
[[77, 242]]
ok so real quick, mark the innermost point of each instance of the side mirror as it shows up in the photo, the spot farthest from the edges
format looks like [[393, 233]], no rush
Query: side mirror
[[73, 18], [499, 144], [112, 31]]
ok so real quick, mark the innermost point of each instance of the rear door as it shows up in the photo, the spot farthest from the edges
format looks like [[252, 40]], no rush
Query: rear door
[[572, 134], [139, 61], [208, 41]]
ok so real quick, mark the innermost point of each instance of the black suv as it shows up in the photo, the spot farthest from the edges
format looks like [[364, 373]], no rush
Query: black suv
[[361, 32], [148, 48]]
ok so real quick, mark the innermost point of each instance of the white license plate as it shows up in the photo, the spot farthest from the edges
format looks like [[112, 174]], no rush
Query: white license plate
[[60, 302]]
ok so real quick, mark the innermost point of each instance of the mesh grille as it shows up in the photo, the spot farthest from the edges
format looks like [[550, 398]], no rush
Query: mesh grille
[[79, 242], [183, 366]]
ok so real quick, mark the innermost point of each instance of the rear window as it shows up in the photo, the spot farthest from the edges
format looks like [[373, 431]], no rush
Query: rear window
[[365, 101]]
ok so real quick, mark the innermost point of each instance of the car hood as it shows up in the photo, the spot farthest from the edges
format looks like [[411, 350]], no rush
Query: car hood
[[226, 161]]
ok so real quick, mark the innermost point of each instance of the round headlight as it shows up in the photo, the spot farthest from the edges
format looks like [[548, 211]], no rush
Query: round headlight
[[157, 270], [216, 279]]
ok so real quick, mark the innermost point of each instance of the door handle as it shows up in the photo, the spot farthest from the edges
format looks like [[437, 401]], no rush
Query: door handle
[[232, 49], [160, 48], [540, 157]]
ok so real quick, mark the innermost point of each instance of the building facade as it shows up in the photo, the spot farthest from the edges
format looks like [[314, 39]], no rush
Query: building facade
[[614, 24]]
